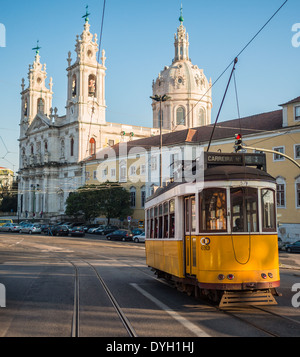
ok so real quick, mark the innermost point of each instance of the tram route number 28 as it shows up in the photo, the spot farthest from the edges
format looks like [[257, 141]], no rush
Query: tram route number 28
[[205, 243]]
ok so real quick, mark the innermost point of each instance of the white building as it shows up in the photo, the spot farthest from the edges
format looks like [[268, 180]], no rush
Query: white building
[[52, 147]]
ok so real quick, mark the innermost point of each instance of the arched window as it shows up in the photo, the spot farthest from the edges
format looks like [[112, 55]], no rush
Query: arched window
[[31, 149], [74, 86], [92, 146], [201, 117], [25, 108], [72, 147], [41, 105], [132, 196], [280, 191], [92, 85], [180, 116]]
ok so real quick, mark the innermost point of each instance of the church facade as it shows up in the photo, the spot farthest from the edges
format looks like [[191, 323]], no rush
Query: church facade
[[52, 147]]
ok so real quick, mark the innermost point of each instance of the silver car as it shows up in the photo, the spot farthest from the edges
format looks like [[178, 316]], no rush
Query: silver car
[[10, 227], [31, 228]]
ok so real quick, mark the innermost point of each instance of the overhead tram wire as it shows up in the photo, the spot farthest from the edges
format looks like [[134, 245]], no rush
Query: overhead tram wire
[[237, 56]]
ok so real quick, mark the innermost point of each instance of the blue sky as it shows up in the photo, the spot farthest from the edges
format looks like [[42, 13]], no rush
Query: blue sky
[[138, 38]]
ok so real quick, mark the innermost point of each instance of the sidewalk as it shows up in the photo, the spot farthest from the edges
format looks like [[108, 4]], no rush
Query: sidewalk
[[289, 260]]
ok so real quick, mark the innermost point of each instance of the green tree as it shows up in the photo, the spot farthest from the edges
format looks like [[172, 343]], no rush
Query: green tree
[[108, 199]]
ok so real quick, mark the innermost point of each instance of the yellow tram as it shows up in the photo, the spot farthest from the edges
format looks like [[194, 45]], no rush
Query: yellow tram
[[218, 236]]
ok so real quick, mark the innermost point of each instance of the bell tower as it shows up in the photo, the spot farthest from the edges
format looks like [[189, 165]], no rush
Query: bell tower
[[36, 98], [86, 80]]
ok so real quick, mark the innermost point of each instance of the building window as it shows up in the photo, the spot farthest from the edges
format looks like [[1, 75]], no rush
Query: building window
[[111, 142], [95, 174], [132, 170], [153, 163], [92, 146], [201, 117], [298, 192], [113, 172], [297, 113], [40, 105], [92, 85], [143, 196], [74, 85], [180, 116], [72, 147], [278, 157], [280, 194], [297, 151], [132, 196]]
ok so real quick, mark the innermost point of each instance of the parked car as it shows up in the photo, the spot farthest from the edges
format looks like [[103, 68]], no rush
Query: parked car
[[139, 238], [293, 247], [137, 231], [31, 228], [106, 230], [60, 230], [10, 227], [120, 234], [77, 231], [93, 229]]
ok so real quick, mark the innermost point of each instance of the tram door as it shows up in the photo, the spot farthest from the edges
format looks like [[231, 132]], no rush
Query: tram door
[[190, 237]]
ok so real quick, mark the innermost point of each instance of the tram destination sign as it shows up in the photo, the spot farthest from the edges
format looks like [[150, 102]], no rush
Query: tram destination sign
[[239, 159]]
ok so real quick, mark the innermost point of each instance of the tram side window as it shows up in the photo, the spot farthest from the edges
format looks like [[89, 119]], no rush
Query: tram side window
[[172, 219], [213, 210], [160, 221], [244, 209], [152, 223], [268, 210], [166, 220], [155, 222]]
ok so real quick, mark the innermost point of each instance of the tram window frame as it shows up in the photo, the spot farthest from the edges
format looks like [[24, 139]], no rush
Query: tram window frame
[[166, 219], [172, 221], [152, 222], [247, 193], [203, 225], [272, 211], [160, 221]]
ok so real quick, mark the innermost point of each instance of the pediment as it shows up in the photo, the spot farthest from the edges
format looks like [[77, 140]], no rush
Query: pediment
[[40, 122]]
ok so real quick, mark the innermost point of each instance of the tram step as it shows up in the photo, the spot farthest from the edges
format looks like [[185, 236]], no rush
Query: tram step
[[262, 297]]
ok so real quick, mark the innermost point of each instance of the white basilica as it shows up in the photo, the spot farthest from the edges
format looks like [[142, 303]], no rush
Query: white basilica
[[53, 148]]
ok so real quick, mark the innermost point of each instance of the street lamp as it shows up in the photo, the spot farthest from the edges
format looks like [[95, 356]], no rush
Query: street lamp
[[160, 99]]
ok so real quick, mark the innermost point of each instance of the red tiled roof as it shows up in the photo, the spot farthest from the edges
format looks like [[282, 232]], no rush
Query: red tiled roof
[[254, 124]]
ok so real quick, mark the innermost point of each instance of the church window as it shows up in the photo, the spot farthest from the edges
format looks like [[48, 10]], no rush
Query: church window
[[132, 196], [92, 146], [46, 146], [25, 108], [201, 117], [180, 116], [72, 147], [31, 149], [74, 86], [160, 118], [41, 105], [92, 85]]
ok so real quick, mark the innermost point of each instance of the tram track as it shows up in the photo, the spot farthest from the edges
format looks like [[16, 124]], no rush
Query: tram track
[[263, 322], [75, 328]]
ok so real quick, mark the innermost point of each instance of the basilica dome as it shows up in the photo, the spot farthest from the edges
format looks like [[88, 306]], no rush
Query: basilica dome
[[189, 91]]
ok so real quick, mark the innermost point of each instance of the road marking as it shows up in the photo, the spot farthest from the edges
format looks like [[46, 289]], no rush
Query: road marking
[[189, 325]]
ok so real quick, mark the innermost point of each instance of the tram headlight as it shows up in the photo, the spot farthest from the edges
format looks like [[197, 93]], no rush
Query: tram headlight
[[264, 276], [221, 276], [270, 275], [230, 276]]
